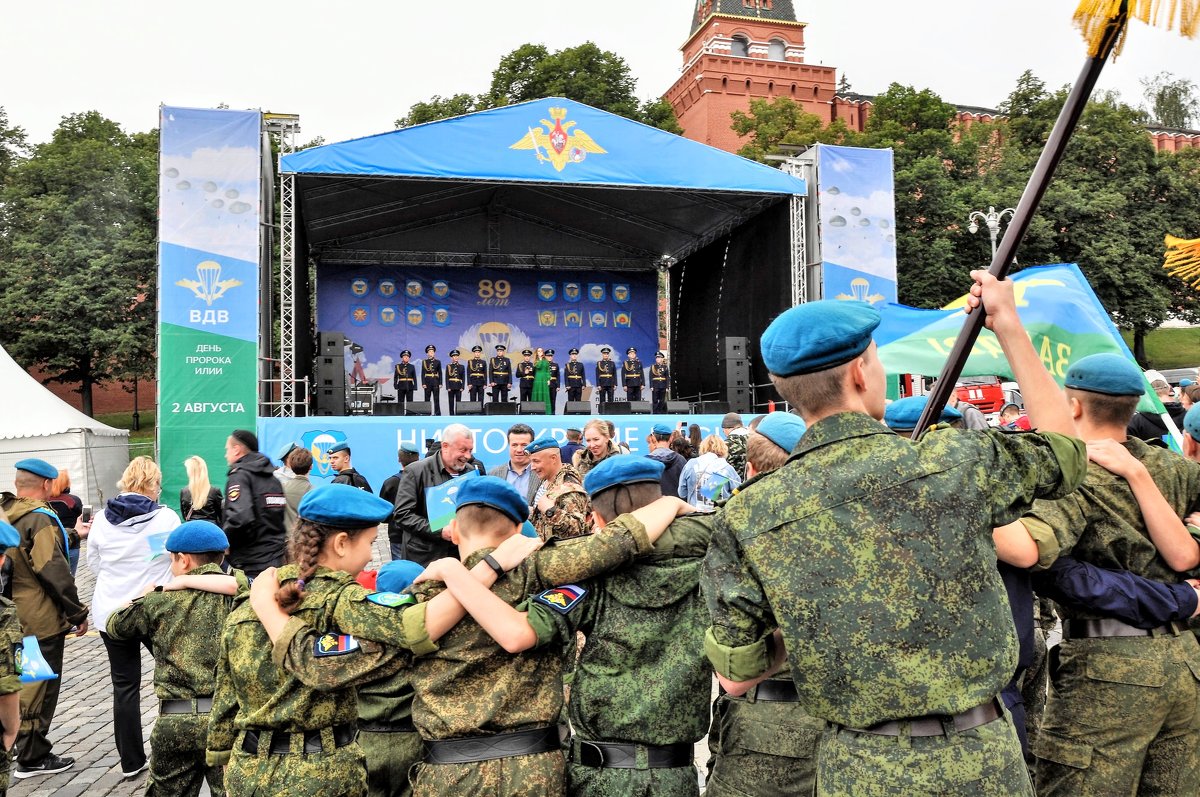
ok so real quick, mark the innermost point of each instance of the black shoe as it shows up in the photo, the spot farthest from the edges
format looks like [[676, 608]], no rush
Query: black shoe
[[49, 765]]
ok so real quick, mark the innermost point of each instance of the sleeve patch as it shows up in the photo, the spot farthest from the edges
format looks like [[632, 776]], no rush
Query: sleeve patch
[[392, 600], [331, 644], [562, 599], [235, 492], [18, 656]]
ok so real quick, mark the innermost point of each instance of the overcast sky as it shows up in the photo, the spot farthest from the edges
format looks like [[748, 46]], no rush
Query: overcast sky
[[351, 68]]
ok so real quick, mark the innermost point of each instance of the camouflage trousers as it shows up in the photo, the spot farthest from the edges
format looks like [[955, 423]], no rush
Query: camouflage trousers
[[763, 749], [981, 762], [6, 760], [1123, 717], [177, 767], [342, 772], [1035, 680], [536, 775], [596, 782], [390, 757]]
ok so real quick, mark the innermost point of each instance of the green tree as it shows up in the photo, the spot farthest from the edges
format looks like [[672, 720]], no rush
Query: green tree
[[770, 124], [79, 217], [437, 107], [1171, 100], [13, 145]]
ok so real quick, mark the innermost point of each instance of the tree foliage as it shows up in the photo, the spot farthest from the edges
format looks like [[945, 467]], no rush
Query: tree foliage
[[1171, 100]]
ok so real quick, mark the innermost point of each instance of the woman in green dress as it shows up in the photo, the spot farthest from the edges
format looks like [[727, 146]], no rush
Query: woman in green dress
[[541, 379]]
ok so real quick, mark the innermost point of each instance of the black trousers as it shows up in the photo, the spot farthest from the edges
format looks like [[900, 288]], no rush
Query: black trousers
[[38, 702], [125, 667], [435, 395], [403, 397], [526, 392], [452, 398], [575, 393], [658, 398], [476, 393], [553, 401], [500, 393], [606, 394], [633, 393]]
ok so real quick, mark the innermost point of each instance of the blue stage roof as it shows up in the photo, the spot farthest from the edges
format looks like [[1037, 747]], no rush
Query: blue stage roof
[[552, 140]]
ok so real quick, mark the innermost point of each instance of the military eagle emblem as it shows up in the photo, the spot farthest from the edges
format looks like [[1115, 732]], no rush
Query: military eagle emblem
[[558, 144]]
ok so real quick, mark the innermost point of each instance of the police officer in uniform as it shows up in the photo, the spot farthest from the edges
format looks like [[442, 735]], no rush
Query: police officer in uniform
[[552, 385], [404, 379], [525, 375], [576, 377], [477, 375], [660, 381], [431, 378], [500, 374], [456, 378], [632, 376], [606, 375]]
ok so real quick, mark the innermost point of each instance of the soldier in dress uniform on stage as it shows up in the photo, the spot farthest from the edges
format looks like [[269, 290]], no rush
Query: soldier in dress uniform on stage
[[525, 375], [477, 375], [554, 380], [576, 377], [404, 379], [606, 375], [632, 376], [500, 374], [456, 379], [660, 381], [431, 378]]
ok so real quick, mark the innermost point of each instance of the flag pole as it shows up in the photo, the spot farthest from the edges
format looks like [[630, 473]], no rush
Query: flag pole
[[1039, 181]]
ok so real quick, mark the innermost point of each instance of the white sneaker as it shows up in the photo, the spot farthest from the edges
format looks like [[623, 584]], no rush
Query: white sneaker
[[136, 772]]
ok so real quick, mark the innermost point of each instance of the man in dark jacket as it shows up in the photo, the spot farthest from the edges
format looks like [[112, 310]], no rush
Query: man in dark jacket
[[1149, 426], [339, 460], [254, 507], [415, 540], [660, 451]]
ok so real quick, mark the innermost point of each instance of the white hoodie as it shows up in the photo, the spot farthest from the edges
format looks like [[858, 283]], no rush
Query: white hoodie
[[120, 552]]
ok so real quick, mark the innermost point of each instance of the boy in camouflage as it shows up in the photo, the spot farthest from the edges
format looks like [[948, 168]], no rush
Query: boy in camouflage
[[10, 671]]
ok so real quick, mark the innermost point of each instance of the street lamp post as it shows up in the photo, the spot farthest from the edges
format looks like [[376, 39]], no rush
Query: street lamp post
[[992, 220]]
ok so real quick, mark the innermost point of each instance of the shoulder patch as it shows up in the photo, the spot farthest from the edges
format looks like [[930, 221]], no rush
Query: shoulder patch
[[330, 644], [562, 599], [18, 656], [393, 600], [235, 492]]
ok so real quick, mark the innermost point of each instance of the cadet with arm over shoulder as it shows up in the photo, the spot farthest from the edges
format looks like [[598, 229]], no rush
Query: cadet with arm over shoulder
[[860, 529]]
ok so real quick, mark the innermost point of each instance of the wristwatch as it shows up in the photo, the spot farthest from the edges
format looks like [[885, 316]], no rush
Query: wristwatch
[[551, 512]]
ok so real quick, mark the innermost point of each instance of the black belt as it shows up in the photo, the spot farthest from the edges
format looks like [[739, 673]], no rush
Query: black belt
[[1108, 627], [610, 755], [938, 725], [773, 691], [488, 748], [198, 705], [281, 741], [399, 726]]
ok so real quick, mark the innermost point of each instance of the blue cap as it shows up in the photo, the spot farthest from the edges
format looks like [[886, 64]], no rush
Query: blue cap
[[906, 412], [1110, 374], [410, 448], [9, 536], [817, 336], [397, 575], [783, 429], [622, 470], [197, 536], [543, 443], [38, 467], [496, 493], [289, 448], [662, 428], [1191, 422], [1186, 383], [336, 447], [343, 507]]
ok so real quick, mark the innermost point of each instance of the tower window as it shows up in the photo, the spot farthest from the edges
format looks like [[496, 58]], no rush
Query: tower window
[[776, 50], [815, 91], [793, 89], [771, 87], [747, 84], [739, 47]]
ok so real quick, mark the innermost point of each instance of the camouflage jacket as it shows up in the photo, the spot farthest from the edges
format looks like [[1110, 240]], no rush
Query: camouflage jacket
[[470, 686], [736, 443], [182, 627], [571, 505], [1101, 522], [874, 556], [11, 640]]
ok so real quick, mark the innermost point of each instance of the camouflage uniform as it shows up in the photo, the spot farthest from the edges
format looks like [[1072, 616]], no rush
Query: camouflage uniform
[[1123, 713], [261, 693], [471, 688], [890, 605], [571, 505], [10, 683], [180, 627], [736, 443]]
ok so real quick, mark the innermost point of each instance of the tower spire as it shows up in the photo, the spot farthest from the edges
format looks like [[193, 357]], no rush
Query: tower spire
[[781, 10]]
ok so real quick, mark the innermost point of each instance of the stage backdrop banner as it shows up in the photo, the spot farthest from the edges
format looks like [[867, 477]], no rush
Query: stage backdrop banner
[[375, 441], [210, 166], [858, 223], [388, 309]]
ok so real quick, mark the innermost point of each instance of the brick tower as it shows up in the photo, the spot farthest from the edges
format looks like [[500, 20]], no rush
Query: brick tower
[[738, 50]]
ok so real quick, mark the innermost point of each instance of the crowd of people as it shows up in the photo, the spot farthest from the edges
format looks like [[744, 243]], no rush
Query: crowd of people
[[873, 602]]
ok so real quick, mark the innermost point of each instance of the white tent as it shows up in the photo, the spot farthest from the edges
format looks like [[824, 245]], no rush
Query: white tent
[[36, 423]]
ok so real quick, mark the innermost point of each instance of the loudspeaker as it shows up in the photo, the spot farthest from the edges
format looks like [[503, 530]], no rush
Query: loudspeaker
[[678, 408], [734, 373], [468, 408], [331, 344], [331, 401], [387, 408], [533, 408], [739, 399], [711, 407], [330, 372], [614, 408], [414, 408], [500, 408], [578, 408], [639, 407], [734, 348]]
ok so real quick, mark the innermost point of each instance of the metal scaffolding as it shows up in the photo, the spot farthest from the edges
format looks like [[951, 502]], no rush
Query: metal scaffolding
[[286, 126]]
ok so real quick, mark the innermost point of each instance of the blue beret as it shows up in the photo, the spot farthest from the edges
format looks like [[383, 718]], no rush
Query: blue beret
[[1191, 422], [1110, 374], [1186, 383], [410, 448], [197, 536], [496, 493], [543, 443], [662, 428], [622, 470], [38, 467], [817, 336], [906, 412], [396, 575], [289, 448], [9, 536], [783, 429], [336, 447], [343, 507]]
